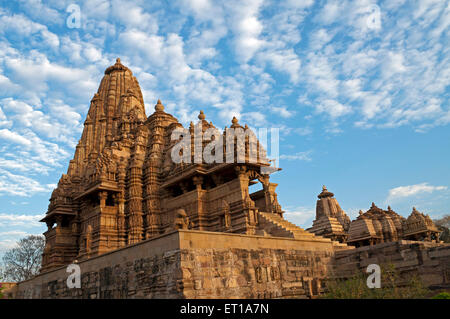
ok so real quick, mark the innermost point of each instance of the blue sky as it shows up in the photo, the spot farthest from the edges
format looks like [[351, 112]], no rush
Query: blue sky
[[362, 103]]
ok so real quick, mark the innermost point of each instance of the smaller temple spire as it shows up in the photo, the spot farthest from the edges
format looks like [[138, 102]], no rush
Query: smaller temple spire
[[325, 193], [159, 107], [235, 123]]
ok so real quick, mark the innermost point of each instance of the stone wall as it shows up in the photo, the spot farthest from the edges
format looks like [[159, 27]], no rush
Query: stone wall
[[242, 266], [196, 264], [429, 261], [147, 269]]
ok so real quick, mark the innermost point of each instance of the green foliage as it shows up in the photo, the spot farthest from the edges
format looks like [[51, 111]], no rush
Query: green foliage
[[392, 287], [443, 225], [442, 295]]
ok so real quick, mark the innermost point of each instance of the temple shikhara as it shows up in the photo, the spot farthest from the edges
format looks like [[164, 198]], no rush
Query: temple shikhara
[[141, 224]]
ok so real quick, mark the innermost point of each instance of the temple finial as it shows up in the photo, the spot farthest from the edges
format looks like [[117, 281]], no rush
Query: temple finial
[[201, 116], [325, 193], [234, 120], [118, 60], [159, 107]]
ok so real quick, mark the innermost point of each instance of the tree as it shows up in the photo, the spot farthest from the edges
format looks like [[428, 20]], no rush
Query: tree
[[24, 261], [1, 288], [443, 224]]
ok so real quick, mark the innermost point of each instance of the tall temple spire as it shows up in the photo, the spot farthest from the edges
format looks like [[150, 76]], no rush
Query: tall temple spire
[[118, 100]]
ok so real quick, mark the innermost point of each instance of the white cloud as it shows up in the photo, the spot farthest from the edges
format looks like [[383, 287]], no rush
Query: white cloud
[[300, 156], [8, 220], [285, 61], [330, 12], [14, 137], [301, 216], [246, 27], [333, 108], [29, 145], [21, 164], [413, 190], [43, 12], [282, 111], [133, 16], [303, 131], [22, 26], [59, 124], [19, 185], [320, 76]]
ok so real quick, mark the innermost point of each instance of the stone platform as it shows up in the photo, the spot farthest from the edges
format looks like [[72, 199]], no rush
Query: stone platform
[[197, 264]]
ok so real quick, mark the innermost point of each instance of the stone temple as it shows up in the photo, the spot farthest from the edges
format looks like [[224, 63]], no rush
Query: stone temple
[[122, 186], [141, 225], [375, 226]]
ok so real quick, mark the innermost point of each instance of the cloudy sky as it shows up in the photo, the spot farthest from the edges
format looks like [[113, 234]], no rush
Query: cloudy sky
[[358, 89]]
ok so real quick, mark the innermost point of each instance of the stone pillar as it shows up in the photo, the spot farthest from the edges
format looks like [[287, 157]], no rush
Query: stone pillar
[[103, 196], [198, 180], [135, 216], [119, 201]]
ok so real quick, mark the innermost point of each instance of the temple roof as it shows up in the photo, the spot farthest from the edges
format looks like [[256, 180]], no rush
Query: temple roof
[[118, 66], [325, 193]]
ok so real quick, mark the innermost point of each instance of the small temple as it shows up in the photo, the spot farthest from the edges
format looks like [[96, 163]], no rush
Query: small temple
[[375, 226], [419, 226], [372, 227], [331, 221]]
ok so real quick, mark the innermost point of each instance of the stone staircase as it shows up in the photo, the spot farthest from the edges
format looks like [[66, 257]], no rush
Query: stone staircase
[[277, 226]]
